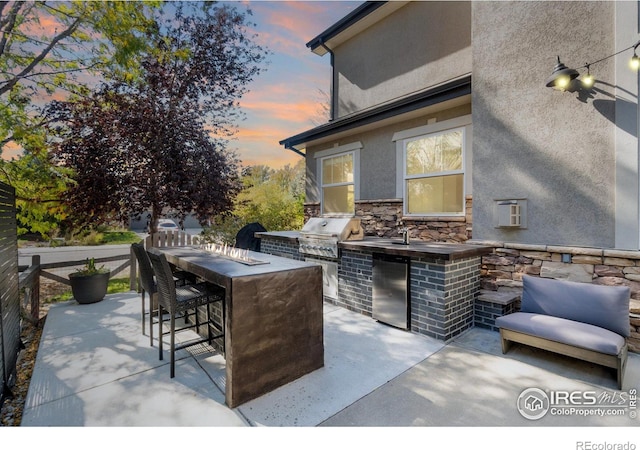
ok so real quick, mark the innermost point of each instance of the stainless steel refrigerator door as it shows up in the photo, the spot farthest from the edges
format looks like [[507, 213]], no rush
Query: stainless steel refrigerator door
[[390, 291]]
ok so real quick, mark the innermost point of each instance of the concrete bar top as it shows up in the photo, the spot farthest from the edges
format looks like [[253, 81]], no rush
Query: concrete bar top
[[207, 264], [417, 249]]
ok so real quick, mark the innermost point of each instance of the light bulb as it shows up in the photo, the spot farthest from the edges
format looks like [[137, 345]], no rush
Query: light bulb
[[588, 80], [635, 62], [562, 82]]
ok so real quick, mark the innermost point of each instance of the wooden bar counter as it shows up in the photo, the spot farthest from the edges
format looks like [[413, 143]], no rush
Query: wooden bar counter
[[273, 318]]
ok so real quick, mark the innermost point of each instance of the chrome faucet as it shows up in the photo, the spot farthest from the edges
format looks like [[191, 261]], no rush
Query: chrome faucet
[[405, 235]]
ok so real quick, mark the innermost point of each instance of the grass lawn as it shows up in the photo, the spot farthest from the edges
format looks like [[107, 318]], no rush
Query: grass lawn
[[101, 237], [119, 237]]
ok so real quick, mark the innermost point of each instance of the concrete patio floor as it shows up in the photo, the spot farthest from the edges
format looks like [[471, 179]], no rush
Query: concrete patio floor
[[95, 368]]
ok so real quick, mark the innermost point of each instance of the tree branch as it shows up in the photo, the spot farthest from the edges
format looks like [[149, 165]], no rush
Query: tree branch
[[10, 21], [65, 34], [56, 72], [6, 174]]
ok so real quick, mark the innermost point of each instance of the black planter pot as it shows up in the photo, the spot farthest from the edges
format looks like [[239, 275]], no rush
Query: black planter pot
[[89, 288]]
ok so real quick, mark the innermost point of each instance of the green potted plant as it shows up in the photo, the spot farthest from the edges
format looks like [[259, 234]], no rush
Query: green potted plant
[[89, 284]]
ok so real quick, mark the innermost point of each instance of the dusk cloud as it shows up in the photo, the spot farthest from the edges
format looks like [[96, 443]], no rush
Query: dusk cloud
[[286, 99]]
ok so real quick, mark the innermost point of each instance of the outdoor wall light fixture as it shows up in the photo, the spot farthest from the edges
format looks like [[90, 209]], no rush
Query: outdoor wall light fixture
[[562, 76]]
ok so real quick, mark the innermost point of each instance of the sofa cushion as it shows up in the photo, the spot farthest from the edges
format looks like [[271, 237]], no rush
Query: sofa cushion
[[603, 306], [577, 334]]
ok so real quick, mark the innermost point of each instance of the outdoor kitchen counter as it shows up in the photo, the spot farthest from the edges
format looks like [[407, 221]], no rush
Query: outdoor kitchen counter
[[417, 249], [443, 279], [440, 283], [273, 318]]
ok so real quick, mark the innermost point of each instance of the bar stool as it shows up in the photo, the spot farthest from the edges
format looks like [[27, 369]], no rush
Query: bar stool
[[148, 284], [181, 299]]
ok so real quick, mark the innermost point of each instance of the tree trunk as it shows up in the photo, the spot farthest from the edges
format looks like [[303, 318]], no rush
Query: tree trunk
[[155, 215]]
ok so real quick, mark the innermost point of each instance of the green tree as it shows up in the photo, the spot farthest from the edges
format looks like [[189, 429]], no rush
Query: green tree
[[45, 47], [39, 188], [274, 198], [52, 49]]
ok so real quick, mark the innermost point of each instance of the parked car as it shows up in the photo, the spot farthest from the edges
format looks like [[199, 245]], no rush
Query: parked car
[[167, 225]]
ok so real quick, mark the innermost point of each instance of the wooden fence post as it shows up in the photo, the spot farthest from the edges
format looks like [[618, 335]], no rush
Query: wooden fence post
[[35, 290], [133, 272]]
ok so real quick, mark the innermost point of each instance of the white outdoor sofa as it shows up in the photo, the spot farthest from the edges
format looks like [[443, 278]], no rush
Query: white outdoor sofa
[[581, 320]]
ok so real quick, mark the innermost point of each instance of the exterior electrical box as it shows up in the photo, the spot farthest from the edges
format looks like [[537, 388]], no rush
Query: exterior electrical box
[[511, 213]]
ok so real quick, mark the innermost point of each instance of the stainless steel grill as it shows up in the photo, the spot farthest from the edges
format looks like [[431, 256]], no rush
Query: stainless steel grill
[[320, 235]]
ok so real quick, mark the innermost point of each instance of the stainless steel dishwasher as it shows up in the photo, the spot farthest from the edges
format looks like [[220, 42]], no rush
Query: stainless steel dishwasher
[[391, 290]]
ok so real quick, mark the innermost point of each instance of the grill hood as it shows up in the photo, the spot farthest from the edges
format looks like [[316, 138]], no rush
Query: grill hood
[[344, 229]]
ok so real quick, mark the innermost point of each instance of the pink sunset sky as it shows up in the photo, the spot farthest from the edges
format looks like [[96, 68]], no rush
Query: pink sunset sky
[[286, 99]]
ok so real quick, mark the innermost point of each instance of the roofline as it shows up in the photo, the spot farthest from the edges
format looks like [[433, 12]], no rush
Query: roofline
[[446, 91], [347, 21]]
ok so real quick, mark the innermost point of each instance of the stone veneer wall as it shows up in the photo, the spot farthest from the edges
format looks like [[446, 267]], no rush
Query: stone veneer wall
[[505, 267], [311, 210], [383, 218]]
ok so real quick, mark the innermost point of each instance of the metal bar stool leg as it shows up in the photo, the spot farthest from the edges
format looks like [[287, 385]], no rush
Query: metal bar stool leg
[[160, 330], [223, 326], [173, 345], [143, 311], [209, 323], [151, 298]]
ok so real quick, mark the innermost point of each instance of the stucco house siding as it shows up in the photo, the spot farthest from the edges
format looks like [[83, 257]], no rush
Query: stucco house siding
[[377, 157], [554, 149], [420, 45]]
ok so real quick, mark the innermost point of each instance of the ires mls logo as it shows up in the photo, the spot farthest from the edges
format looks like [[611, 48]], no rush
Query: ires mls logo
[[534, 403]]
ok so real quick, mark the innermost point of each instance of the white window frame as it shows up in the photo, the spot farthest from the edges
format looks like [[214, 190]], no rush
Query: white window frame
[[340, 150], [402, 138]]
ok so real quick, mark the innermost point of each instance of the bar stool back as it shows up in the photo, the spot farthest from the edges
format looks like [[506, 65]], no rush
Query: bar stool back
[[148, 285]]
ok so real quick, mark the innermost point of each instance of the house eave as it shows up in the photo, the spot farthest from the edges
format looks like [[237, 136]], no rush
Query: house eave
[[353, 23], [445, 92]]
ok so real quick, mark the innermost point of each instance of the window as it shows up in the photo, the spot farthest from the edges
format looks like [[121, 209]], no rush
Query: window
[[434, 174], [338, 178], [338, 188]]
